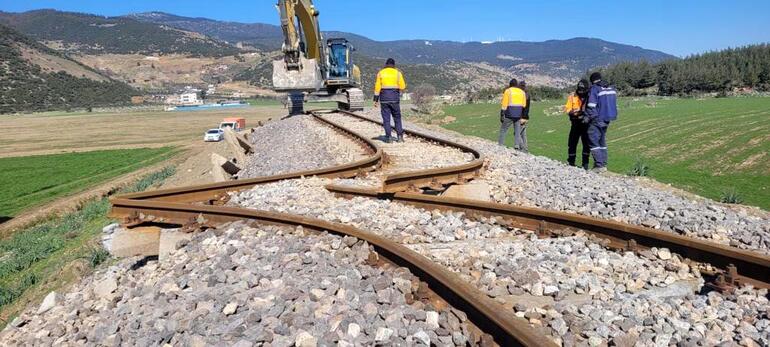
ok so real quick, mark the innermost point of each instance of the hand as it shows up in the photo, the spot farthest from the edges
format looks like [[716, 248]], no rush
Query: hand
[[586, 120], [376, 104], [523, 121]]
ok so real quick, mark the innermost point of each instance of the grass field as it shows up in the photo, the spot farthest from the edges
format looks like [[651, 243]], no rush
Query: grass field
[[49, 255], [34, 180], [708, 147]]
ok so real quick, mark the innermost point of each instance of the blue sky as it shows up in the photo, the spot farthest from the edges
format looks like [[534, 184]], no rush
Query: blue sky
[[679, 27]]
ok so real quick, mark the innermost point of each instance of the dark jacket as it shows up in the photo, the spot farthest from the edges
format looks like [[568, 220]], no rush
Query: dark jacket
[[602, 103]]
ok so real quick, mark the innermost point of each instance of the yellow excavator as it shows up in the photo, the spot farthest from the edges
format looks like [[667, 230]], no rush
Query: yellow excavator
[[311, 67]]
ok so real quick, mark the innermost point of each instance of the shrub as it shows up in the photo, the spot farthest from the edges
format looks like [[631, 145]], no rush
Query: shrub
[[731, 196], [639, 169], [98, 256]]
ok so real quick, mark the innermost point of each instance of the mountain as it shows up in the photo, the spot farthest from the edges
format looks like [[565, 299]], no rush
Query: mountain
[[263, 36], [34, 77], [90, 34], [553, 61]]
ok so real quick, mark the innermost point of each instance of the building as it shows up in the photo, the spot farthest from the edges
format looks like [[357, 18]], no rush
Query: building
[[189, 98]]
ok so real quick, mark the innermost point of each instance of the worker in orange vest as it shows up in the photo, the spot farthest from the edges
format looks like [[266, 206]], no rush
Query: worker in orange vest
[[578, 131], [388, 87], [511, 111]]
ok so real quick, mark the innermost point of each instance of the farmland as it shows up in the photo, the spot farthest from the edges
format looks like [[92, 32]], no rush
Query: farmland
[[705, 146], [33, 180]]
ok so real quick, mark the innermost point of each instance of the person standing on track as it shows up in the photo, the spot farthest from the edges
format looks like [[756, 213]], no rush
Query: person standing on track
[[388, 87], [511, 110], [578, 131], [601, 110], [520, 137]]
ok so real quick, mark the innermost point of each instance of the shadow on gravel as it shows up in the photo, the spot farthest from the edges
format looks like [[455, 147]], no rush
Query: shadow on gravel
[[4, 219]]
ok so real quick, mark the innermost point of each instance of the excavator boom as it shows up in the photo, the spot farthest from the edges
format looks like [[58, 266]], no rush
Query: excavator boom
[[312, 66]]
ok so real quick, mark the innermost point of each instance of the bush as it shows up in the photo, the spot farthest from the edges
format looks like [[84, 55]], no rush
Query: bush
[[731, 197], [639, 169], [98, 256]]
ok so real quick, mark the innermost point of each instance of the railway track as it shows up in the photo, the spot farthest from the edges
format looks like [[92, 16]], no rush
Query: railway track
[[197, 204]]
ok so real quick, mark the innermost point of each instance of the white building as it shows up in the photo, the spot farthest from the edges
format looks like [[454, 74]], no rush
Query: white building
[[188, 99]]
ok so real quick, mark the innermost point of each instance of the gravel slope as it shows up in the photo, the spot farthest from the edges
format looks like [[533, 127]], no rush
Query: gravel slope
[[580, 291], [244, 287]]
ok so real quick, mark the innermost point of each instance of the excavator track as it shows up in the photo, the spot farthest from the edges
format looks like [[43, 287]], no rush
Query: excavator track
[[355, 100]]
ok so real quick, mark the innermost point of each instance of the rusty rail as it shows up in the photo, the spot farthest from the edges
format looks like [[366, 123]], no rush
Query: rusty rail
[[506, 329], [429, 178], [182, 205], [216, 191], [752, 268]]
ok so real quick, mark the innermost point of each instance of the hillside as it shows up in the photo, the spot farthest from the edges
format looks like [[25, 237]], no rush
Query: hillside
[[90, 34], [36, 78], [263, 36], [554, 62]]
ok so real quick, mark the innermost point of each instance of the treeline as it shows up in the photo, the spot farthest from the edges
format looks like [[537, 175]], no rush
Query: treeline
[[25, 87], [721, 72], [536, 93]]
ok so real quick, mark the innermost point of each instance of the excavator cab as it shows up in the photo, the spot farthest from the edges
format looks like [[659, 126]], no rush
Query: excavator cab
[[340, 64]]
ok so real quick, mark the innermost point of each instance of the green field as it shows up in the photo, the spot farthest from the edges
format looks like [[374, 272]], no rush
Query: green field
[[705, 146], [47, 256], [34, 180]]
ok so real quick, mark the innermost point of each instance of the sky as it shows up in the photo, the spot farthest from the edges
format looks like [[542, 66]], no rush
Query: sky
[[679, 27]]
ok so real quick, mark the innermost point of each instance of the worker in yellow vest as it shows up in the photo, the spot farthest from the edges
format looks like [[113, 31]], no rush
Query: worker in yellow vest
[[388, 87], [511, 111]]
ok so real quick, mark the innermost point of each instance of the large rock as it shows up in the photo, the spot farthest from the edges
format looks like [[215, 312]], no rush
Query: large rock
[[48, 303], [143, 241]]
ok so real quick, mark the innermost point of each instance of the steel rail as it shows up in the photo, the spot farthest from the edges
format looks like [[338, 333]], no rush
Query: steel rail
[[429, 178], [214, 191], [752, 267], [506, 329]]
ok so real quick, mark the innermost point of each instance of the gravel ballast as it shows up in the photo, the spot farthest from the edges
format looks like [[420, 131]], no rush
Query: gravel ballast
[[297, 143], [533, 181], [246, 287], [572, 288]]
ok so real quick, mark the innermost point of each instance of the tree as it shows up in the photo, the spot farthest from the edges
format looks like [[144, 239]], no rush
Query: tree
[[423, 96]]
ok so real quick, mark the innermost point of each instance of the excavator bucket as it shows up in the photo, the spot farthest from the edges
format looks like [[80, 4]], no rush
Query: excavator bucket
[[308, 78]]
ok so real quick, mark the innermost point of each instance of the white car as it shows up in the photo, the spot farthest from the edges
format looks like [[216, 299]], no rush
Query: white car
[[214, 135]]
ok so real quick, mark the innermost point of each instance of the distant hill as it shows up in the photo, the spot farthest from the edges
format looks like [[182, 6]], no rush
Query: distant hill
[[551, 61], [36, 78], [263, 36], [90, 34]]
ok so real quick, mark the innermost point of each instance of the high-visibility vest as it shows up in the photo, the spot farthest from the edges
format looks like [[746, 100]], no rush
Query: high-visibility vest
[[573, 103], [513, 103], [389, 78]]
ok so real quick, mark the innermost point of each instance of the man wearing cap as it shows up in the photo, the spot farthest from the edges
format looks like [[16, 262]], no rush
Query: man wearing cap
[[601, 110], [511, 110], [388, 87]]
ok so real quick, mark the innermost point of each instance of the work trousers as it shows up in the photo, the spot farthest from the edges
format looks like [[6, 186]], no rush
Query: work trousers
[[388, 110], [519, 133], [597, 137], [578, 132]]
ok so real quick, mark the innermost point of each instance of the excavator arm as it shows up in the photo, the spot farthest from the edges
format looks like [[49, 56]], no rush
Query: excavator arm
[[311, 66], [299, 21]]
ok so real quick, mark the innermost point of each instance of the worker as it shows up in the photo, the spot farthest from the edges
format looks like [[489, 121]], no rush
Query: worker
[[600, 111], [578, 131], [521, 134], [511, 110], [388, 87]]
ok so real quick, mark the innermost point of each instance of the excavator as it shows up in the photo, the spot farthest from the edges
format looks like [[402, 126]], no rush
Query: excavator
[[311, 67]]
